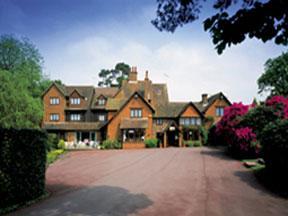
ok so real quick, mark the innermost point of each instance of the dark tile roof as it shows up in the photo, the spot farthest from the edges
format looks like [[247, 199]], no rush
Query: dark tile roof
[[173, 109], [73, 126], [107, 92], [128, 123]]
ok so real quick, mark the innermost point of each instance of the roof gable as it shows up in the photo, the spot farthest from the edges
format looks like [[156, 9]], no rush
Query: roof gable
[[136, 94], [213, 98], [57, 86], [191, 104]]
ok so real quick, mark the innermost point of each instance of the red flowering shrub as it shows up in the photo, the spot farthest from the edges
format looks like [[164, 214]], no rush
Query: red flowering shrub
[[239, 139], [280, 105]]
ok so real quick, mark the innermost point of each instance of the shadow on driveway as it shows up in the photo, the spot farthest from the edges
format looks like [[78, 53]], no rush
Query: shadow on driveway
[[98, 200]]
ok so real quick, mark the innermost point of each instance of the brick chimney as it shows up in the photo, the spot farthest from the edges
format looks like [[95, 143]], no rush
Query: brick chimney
[[205, 99], [133, 75], [148, 88]]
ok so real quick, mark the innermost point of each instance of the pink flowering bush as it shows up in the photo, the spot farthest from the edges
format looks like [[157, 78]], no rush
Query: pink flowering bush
[[279, 105], [240, 139]]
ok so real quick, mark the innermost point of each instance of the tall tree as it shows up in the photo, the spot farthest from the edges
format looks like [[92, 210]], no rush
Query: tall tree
[[22, 83], [115, 76], [264, 20], [275, 77]]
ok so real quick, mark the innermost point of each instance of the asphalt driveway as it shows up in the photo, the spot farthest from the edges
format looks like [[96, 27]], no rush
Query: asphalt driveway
[[172, 181]]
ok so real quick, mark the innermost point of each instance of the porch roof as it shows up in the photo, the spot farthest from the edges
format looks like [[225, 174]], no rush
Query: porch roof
[[130, 123], [73, 126]]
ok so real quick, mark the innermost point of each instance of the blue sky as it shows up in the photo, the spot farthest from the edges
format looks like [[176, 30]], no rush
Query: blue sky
[[77, 38]]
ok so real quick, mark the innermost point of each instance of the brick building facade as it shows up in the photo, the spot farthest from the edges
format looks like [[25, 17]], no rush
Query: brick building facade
[[136, 111]]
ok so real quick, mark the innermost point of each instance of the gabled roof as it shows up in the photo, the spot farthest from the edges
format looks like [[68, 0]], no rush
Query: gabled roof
[[211, 100], [194, 106], [107, 92], [58, 86], [127, 101]]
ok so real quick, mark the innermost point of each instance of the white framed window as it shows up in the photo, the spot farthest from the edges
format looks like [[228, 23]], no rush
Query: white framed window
[[54, 100], [75, 117], [101, 102], [219, 111], [136, 113], [75, 101], [54, 117], [159, 121], [190, 121], [101, 117]]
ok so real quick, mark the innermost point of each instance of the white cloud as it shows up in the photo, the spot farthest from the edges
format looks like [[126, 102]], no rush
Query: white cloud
[[189, 69]]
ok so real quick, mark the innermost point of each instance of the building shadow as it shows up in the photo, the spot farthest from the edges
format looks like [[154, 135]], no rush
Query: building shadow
[[99, 200]]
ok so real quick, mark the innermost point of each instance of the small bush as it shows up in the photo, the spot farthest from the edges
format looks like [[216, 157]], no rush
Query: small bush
[[52, 142], [151, 143], [188, 143], [22, 165], [61, 144], [204, 135], [111, 144], [197, 143], [192, 143]]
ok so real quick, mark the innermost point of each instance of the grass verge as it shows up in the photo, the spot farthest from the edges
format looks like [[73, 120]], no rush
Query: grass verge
[[54, 155]]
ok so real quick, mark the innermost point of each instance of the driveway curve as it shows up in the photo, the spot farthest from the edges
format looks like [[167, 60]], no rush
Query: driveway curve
[[172, 181]]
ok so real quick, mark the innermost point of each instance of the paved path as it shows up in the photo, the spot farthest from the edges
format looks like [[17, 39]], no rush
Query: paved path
[[172, 181]]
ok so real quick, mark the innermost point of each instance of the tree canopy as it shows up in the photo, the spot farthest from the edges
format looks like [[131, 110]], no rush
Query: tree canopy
[[264, 20], [114, 77], [22, 83], [275, 77]]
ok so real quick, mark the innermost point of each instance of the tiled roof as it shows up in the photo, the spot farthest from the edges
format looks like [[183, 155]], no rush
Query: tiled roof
[[107, 92], [128, 123], [73, 126]]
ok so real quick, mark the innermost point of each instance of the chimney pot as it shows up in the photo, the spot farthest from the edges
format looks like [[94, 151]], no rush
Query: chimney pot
[[133, 74], [204, 99], [146, 75]]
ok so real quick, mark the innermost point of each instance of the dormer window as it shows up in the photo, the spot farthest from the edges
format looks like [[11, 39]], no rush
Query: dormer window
[[54, 100], [75, 101], [101, 102]]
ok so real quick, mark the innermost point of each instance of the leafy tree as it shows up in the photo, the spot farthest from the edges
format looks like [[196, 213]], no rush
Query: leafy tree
[[18, 108], [275, 77], [22, 83], [264, 20], [115, 76]]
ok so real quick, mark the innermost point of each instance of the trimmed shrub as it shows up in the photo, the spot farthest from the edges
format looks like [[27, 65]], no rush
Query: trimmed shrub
[[111, 144], [197, 143], [151, 143], [61, 144], [188, 143], [22, 165], [192, 143]]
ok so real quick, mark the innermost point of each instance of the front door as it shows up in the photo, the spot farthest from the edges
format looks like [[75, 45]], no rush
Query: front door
[[172, 137]]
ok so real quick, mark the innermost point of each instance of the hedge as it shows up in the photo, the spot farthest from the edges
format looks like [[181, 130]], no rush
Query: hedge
[[22, 165], [274, 140]]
